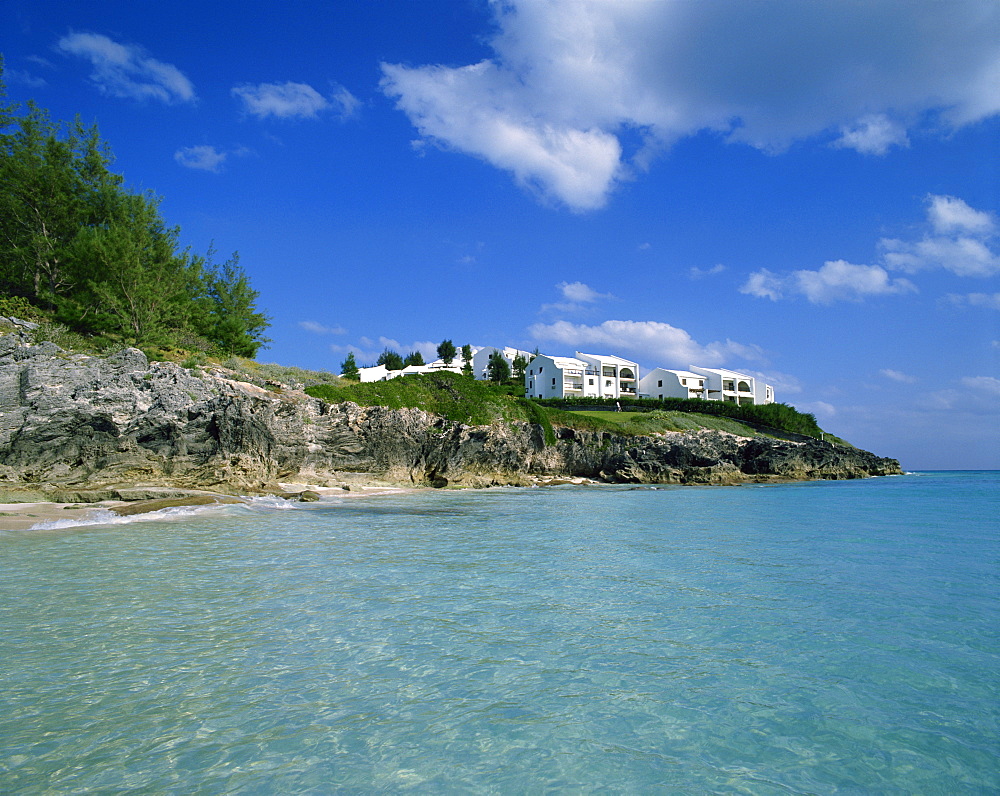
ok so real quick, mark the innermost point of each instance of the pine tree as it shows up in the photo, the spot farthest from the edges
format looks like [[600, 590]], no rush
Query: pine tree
[[497, 368], [390, 359], [467, 360], [233, 323], [349, 368], [518, 366], [446, 351]]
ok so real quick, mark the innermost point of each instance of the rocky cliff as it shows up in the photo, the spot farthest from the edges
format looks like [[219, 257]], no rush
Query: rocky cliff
[[70, 422]]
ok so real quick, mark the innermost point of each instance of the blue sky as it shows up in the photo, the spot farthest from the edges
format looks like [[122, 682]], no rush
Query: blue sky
[[807, 191]]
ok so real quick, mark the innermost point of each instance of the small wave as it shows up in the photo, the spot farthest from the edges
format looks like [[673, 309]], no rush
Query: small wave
[[109, 517]]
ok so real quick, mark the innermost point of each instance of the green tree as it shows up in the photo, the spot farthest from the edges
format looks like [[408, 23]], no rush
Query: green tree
[[390, 359], [349, 368], [413, 358], [135, 285], [446, 351], [497, 368], [518, 366], [467, 360], [231, 320], [74, 241]]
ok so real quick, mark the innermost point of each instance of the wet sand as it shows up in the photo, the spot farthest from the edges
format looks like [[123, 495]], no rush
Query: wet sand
[[24, 516]]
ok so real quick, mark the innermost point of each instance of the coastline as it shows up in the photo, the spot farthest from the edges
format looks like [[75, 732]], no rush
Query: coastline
[[26, 516]]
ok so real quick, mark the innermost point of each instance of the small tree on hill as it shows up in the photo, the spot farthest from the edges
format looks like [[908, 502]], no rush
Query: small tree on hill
[[467, 360], [349, 368], [497, 369], [446, 351], [390, 359], [413, 358], [519, 365]]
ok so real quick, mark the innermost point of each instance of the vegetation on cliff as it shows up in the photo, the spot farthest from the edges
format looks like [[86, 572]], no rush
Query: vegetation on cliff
[[462, 399], [80, 249]]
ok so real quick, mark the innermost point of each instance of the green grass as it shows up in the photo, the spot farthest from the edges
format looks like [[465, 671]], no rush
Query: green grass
[[639, 423], [466, 400], [450, 395]]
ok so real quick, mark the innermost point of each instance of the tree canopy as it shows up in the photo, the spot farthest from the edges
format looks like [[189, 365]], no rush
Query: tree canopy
[[391, 359], [98, 257], [349, 368], [446, 351], [497, 368]]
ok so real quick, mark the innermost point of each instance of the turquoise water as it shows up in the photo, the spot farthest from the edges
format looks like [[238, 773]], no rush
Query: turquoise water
[[809, 638]]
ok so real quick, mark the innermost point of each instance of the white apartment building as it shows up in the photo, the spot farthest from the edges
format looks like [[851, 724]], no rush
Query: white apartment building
[[738, 388], [666, 383], [382, 373], [582, 376], [481, 359]]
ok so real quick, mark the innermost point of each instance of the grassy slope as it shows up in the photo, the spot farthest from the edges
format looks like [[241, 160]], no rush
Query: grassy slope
[[479, 403], [447, 394]]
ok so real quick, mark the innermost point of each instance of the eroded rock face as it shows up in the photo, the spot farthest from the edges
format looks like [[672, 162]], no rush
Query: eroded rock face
[[69, 421]]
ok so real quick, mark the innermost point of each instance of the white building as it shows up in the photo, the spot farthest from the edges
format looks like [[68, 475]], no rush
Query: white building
[[582, 376], [382, 373], [665, 383], [737, 388], [481, 359]]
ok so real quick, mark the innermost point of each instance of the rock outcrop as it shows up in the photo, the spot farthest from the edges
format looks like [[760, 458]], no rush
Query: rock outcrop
[[71, 422]]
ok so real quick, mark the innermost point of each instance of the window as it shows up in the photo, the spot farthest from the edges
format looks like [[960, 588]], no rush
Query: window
[[660, 384], [684, 382], [553, 382], [590, 382]]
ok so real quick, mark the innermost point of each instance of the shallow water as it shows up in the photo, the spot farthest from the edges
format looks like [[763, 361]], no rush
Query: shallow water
[[807, 638]]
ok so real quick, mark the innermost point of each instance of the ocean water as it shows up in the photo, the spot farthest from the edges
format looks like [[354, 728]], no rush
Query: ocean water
[[828, 637]]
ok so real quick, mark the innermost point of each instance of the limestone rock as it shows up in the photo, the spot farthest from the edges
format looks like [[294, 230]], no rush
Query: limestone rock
[[73, 424]]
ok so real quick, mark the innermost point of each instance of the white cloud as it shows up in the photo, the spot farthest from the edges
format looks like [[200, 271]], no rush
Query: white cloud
[[836, 280], [345, 100], [17, 77], [897, 375], [205, 158], [990, 301], [293, 100], [656, 343], [979, 395], [568, 77], [950, 214], [318, 328], [699, 273], [764, 284], [577, 295], [988, 385], [581, 293], [875, 134], [839, 280], [123, 70], [959, 241]]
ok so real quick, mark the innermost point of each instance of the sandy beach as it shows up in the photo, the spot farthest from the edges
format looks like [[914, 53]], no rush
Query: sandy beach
[[24, 516]]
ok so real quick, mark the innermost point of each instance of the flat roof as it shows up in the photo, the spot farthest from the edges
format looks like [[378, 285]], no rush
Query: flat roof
[[609, 358]]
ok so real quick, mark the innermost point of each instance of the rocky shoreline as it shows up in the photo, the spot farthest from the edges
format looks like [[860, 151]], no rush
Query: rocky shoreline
[[76, 428]]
